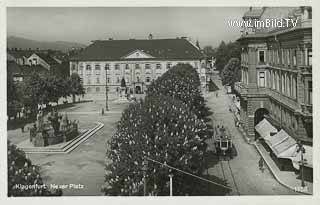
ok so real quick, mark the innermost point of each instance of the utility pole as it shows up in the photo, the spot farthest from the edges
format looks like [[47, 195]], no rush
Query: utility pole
[[107, 89], [171, 188], [144, 169]]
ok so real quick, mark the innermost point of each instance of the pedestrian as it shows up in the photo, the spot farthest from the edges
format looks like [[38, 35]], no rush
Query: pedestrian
[[22, 127], [102, 111], [261, 163]]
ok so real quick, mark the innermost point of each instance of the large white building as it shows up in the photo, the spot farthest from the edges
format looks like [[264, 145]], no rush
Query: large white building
[[138, 62]]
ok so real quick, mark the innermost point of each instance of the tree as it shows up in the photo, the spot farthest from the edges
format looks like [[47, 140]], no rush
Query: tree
[[161, 128], [181, 82], [21, 172], [226, 51], [13, 97], [76, 87], [231, 72], [209, 51]]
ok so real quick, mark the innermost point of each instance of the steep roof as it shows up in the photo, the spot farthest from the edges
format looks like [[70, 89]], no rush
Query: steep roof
[[159, 48], [253, 13], [47, 58]]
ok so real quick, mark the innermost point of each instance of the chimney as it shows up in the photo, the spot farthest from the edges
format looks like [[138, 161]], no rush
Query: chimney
[[250, 8], [110, 39], [150, 36]]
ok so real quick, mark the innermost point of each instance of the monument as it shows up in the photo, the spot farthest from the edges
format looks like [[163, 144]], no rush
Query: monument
[[123, 93], [52, 129]]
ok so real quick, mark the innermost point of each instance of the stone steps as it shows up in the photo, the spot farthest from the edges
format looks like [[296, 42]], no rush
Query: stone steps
[[68, 147]]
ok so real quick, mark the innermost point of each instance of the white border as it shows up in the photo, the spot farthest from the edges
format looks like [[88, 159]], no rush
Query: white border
[[307, 200]]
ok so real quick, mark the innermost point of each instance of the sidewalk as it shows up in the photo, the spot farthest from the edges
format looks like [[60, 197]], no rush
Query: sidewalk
[[285, 178]]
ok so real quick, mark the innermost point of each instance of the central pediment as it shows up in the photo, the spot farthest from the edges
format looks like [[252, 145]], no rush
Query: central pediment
[[137, 54]]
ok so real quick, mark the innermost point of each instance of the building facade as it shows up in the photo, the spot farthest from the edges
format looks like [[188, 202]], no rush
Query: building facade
[[276, 66], [138, 62]]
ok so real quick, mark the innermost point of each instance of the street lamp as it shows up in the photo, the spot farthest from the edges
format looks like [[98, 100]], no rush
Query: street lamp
[[303, 151], [144, 169], [171, 186], [107, 89]]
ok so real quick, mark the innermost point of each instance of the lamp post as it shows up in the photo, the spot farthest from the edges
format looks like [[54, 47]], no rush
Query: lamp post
[[144, 169], [302, 150], [171, 188], [107, 89]]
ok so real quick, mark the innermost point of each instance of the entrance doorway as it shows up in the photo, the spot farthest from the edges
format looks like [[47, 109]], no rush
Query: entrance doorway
[[259, 116], [138, 89]]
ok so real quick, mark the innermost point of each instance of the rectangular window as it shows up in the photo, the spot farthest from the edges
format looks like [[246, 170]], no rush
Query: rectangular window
[[309, 56], [107, 66], [117, 67], [127, 66], [97, 67], [262, 79], [108, 79], [261, 56], [137, 66], [158, 66], [288, 88], [89, 81], [147, 79], [294, 57], [283, 79], [88, 67], [310, 92], [168, 65], [294, 87], [147, 66], [98, 80]]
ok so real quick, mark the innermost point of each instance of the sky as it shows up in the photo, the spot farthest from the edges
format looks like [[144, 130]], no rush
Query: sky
[[208, 25]]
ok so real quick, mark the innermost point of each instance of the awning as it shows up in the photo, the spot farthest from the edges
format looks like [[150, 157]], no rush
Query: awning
[[264, 128], [307, 156], [284, 146]]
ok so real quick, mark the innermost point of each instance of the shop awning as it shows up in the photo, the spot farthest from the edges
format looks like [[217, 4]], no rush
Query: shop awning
[[284, 146], [307, 156], [264, 128]]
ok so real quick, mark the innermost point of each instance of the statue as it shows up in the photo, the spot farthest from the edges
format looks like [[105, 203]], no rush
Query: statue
[[40, 121], [64, 123], [54, 119]]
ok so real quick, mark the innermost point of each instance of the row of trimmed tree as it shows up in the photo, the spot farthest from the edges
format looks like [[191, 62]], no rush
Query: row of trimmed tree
[[167, 126], [40, 89]]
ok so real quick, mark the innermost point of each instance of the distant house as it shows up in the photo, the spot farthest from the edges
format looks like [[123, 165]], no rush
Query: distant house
[[19, 56], [42, 59]]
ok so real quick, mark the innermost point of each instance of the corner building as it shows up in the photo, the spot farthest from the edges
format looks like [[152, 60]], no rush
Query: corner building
[[276, 66], [138, 62]]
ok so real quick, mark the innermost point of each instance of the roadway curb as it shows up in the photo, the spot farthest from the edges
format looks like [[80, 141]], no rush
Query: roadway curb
[[269, 166], [275, 175]]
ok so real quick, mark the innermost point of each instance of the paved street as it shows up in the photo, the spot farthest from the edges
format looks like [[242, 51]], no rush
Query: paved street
[[85, 164], [241, 172]]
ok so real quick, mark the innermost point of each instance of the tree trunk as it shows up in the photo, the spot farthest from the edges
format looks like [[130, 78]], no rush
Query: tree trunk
[[73, 98]]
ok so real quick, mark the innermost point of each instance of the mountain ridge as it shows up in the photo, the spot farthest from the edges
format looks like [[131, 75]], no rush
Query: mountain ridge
[[25, 43]]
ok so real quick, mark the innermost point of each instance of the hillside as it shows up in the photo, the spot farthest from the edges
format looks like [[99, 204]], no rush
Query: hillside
[[18, 42]]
